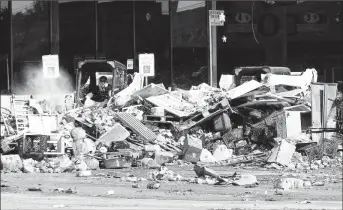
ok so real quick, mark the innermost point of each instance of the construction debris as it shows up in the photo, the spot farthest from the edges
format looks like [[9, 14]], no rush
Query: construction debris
[[245, 180], [289, 183], [252, 122], [282, 153]]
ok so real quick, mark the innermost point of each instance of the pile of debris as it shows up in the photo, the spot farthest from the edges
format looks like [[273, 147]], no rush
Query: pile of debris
[[256, 122], [8, 130]]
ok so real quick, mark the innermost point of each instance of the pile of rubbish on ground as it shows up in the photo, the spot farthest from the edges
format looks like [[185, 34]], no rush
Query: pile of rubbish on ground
[[265, 123]]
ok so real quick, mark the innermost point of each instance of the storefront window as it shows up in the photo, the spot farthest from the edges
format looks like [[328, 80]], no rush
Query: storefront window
[[115, 26], [4, 28], [297, 35], [238, 41], [30, 29], [30, 32], [152, 32], [5, 45], [77, 32], [189, 43]]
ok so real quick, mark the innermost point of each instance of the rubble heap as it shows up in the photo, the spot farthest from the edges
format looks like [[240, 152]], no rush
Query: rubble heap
[[255, 122]]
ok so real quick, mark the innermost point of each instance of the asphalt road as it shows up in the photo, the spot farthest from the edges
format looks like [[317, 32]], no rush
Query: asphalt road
[[41, 201]]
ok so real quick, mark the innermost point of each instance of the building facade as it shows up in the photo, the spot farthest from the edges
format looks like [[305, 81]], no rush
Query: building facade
[[293, 34]]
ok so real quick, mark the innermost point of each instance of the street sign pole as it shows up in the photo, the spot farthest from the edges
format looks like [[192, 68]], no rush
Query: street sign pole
[[211, 53], [216, 18]]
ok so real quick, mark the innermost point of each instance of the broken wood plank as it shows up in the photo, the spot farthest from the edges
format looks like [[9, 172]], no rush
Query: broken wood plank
[[173, 105], [264, 103], [5, 143], [258, 91], [269, 120], [224, 104], [291, 94], [209, 117], [165, 147], [299, 108], [243, 89], [271, 95], [175, 148]]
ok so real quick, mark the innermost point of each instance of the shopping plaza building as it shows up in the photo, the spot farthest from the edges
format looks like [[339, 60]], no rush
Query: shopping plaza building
[[298, 35]]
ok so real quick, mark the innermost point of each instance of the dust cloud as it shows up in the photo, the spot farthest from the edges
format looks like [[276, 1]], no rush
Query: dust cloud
[[32, 82]]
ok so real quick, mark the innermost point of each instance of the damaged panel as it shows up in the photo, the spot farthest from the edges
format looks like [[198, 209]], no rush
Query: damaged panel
[[323, 97], [243, 89], [134, 124], [176, 106], [151, 90], [117, 133], [288, 124]]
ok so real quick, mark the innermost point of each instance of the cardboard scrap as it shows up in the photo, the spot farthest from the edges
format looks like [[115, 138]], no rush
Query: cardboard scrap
[[117, 133], [282, 153], [125, 95], [192, 149], [288, 124]]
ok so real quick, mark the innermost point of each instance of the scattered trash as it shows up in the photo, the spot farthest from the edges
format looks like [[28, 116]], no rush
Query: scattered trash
[[153, 185], [81, 165], [206, 157], [92, 163], [59, 190], [250, 185], [202, 171], [304, 202], [288, 183], [83, 173], [282, 153], [71, 191], [35, 189], [242, 124], [135, 185], [110, 192], [222, 153], [60, 206], [317, 184], [11, 163], [245, 179], [279, 192], [307, 183]]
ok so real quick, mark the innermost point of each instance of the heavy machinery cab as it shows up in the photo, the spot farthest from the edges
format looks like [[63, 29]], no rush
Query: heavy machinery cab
[[89, 71]]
